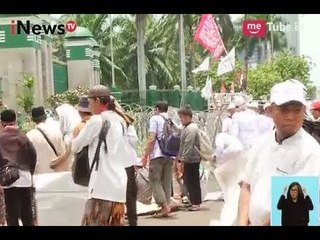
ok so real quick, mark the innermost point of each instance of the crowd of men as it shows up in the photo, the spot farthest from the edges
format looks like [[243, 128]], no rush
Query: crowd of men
[[255, 143], [112, 191]]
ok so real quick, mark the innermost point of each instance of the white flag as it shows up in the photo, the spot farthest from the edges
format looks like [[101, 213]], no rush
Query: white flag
[[227, 63], [203, 66], [206, 92]]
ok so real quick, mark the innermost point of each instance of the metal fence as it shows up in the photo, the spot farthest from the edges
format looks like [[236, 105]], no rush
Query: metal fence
[[210, 122]]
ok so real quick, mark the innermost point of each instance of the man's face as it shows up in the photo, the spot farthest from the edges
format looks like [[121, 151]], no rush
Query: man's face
[[184, 119], [156, 111], [288, 118], [94, 104], [231, 111], [315, 113]]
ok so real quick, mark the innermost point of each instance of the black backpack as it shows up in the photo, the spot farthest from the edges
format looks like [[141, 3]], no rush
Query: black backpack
[[313, 128], [81, 170], [168, 143]]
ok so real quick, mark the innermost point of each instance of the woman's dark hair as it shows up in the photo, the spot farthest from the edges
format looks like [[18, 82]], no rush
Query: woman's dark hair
[[186, 111], [300, 192]]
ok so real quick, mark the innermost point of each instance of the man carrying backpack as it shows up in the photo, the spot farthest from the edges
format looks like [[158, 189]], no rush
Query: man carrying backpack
[[190, 157], [161, 161]]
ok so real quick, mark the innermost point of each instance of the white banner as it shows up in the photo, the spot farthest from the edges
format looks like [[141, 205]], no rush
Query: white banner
[[207, 92], [227, 63], [203, 66]]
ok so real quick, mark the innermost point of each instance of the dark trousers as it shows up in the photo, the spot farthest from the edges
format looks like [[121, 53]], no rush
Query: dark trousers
[[18, 203], [191, 178], [131, 200]]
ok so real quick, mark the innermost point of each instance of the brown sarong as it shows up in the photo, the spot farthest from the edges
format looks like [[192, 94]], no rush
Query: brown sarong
[[2, 208], [103, 213]]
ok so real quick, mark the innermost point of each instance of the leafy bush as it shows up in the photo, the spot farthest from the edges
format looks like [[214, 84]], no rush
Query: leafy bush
[[70, 96], [26, 99]]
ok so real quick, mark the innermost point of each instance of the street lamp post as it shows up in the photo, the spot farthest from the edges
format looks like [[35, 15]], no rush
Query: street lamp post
[[182, 60], [111, 46]]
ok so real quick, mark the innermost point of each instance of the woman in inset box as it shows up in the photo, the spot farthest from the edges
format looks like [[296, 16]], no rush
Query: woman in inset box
[[295, 208]]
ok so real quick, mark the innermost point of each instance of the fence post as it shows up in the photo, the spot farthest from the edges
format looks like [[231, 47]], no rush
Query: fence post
[[152, 95], [176, 96], [116, 93]]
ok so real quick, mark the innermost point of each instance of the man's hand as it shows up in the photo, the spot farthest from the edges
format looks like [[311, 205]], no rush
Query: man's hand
[[304, 190], [266, 221], [144, 160], [285, 190]]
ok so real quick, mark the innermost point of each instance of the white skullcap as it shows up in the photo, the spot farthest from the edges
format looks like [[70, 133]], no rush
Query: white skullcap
[[239, 101]]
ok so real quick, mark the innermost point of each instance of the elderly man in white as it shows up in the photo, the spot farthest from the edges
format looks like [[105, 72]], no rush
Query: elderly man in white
[[286, 151]]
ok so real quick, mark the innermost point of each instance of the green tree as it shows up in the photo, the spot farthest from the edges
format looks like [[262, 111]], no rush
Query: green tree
[[283, 67]]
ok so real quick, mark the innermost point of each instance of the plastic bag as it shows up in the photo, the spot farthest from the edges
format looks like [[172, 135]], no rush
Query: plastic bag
[[144, 194]]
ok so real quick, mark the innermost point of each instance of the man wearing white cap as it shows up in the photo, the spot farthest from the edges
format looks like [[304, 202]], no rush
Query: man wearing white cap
[[286, 151], [227, 121], [244, 124]]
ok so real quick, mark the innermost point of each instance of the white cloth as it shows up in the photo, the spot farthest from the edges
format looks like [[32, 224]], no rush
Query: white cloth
[[207, 92], [110, 181], [203, 67], [227, 176], [132, 140], [227, 125], [297, 155], [227, 147], [156, 126], [45, 153], [54, 123], [245, 127], [24, 180], [69, 118], [265, 124], [227, 63]]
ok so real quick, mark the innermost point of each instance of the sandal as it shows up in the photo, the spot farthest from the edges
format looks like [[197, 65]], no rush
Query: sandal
[[194, 208], [161, 215]]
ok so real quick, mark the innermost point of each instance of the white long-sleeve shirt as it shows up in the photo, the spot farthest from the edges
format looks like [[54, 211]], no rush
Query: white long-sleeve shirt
[[133, 139], [297, 156], [245, 127], [110, 180], [45, 153]]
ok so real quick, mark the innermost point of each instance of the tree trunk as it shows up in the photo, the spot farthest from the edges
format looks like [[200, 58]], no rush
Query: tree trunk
[[140, 20], [266, 54], [182, 61]]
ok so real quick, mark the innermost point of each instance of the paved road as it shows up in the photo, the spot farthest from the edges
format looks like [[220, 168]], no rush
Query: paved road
[[209, 210]]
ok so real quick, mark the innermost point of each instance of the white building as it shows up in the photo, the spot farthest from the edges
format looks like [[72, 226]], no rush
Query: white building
[[293, 35]]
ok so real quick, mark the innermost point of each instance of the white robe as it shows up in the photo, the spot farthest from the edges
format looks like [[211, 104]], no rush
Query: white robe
[[230, 155]]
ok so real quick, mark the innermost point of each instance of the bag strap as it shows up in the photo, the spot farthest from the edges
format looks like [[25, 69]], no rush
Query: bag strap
[[102, 138], [165, 128], [48, 141]]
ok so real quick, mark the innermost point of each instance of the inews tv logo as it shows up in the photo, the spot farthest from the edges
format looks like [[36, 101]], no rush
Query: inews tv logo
[[19, 27]]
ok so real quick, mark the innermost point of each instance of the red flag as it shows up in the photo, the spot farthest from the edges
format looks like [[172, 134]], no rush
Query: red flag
[[223, 87], [208, 35]]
